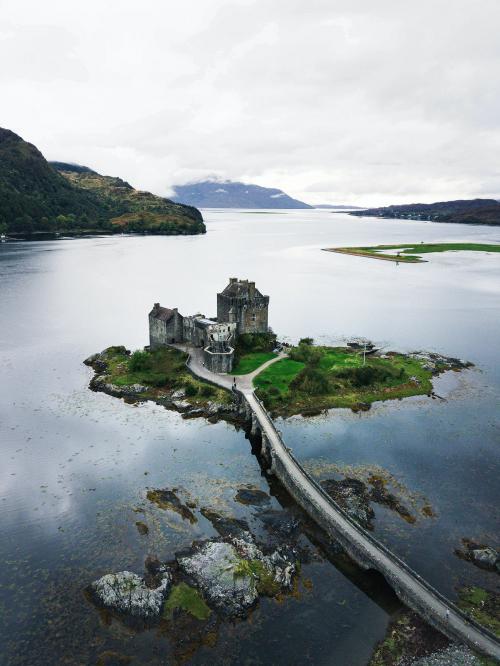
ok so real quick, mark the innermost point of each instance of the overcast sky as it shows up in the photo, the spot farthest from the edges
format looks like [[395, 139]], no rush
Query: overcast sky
[[344, 101]]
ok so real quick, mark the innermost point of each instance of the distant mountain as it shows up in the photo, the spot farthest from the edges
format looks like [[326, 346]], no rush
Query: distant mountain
[[228, 194], [465, 211], [35, 196], [337, 206]]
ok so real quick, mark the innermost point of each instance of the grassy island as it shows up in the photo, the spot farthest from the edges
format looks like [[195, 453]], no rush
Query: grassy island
[[159, 375], [314, 378], [410, 253], [310, 379]]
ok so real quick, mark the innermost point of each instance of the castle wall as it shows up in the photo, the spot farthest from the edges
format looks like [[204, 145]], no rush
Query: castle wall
[[162, 333], [254, 317], [251, 315], [218, 361], [196, 330]]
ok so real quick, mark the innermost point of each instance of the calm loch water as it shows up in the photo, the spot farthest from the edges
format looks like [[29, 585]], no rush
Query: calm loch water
[[76, 465]]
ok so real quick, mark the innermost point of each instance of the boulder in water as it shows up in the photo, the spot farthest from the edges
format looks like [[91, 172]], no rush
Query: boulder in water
[[127, 593]]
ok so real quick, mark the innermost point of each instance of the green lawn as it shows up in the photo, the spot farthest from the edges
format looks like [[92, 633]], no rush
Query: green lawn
[[251, 361], [340, 357], [279, 374], [334, 382], [410, 253]]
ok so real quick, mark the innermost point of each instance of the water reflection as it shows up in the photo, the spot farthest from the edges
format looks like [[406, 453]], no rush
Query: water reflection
[[76, 464]]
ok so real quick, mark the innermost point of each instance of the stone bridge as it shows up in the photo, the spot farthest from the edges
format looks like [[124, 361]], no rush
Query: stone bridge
[[361, 546]]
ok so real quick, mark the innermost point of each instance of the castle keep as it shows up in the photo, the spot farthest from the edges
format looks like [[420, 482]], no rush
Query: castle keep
[[241, 303], [241, 308]]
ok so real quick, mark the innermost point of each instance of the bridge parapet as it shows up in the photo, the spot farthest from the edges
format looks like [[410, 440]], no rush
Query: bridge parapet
[[362, 546], [369, 553]]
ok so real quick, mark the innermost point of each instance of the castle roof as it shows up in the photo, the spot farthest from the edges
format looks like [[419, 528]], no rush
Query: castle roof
[[241, 289], [161, 313]]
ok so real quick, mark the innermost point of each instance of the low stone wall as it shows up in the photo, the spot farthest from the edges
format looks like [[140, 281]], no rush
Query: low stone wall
[[218, 362], [362, 547]]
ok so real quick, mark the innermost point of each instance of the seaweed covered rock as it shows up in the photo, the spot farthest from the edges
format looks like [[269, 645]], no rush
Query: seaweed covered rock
[[234, 572], [225, 525], [167, 500], [353, 497], [483, 556], [127, 593], [250, 495], [213, 566]]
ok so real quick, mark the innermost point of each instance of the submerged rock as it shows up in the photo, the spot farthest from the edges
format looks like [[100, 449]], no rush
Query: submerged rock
[[483, 556], [168, 500], [250, 495], [280, 523], [353, 497], [142, 528], [226, 526], [112, 658], [127, 593], [381, 495]]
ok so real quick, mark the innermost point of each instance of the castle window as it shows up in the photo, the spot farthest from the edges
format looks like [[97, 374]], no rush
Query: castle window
[[254, 317]]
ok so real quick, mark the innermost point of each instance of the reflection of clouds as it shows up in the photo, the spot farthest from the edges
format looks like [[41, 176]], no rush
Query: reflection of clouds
[[72, 444]]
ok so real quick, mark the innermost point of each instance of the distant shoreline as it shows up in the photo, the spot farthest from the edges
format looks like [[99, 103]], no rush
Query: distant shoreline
[[409, 253], [374, 255]]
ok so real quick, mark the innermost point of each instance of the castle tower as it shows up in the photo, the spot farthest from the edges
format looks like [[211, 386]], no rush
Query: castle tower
[[219, 354], [242, 303]]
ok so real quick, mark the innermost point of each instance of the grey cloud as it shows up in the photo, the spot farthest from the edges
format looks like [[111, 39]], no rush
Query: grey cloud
[[371, 102]]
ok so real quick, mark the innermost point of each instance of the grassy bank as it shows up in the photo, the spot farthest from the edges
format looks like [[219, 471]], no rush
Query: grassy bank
[[158, 375], [318, 378], [250, 362], [410, 253], [482, 605]]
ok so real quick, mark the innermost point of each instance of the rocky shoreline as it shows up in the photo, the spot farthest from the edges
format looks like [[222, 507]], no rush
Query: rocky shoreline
[[411, 642], [215, 579], [171, 397]]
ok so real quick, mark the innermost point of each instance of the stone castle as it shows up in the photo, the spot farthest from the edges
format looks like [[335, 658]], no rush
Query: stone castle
[[241, 308]]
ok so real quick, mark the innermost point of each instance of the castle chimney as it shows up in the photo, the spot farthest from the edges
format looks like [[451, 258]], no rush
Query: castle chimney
[[156, 306], [233, 280], [251, 289], [175, 310]]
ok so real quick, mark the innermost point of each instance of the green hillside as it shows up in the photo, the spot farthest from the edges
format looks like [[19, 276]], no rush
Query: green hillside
[[464, 211], [36, 196]]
